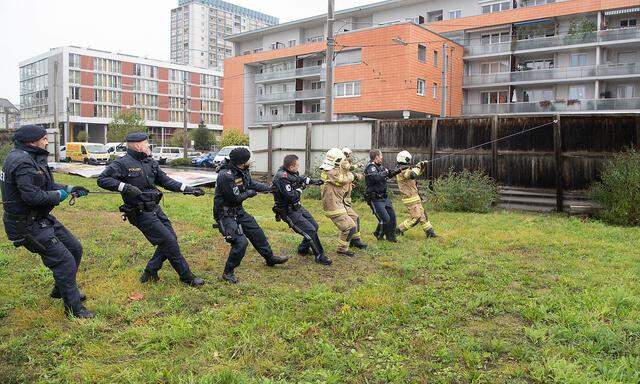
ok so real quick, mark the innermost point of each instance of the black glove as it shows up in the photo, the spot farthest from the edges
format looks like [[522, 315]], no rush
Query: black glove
[[197, 192], [251, 193], [394, 173], [318, 182], [132, 192], [79, 191]]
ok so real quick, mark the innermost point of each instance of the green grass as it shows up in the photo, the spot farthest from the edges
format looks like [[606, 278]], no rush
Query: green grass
[[499, 298]]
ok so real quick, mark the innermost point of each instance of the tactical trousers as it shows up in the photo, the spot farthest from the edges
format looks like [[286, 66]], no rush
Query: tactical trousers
[[156, 227], [417, 216], [301, 221], [59, 250], [238, 230], [383, 210]]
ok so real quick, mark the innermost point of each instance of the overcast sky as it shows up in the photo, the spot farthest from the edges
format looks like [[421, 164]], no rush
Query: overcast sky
[[138, 27]]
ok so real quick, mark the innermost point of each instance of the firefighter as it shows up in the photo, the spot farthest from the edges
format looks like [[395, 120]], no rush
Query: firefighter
[[287, 190], [408, 185], [351, 166], [233, 186]]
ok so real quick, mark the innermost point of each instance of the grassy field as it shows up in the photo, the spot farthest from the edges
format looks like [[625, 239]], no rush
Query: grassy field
[[498, 298]]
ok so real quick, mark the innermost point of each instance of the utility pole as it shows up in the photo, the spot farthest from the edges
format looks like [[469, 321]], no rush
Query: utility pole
[[445, 64], [184, 111], [68, 124], [56, 124], [328, 89]]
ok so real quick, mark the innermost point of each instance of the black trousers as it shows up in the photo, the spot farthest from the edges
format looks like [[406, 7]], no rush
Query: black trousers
[[238, 231], [156, 227], [301, 221], [59, 250], [383, 210]]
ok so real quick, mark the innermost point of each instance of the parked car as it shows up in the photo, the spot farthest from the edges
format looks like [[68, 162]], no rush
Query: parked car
[[193, 154], [224, 154], [88, 153], [204, 161], [116, 149], [166, 154]]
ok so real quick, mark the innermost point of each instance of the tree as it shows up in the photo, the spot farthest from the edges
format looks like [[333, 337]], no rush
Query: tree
[[233, 137], [178, 138], [124, 123], [81, 137], [202, 137]]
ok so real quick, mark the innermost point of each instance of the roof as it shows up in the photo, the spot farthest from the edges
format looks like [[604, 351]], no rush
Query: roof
[[6, 104], [320, 19]]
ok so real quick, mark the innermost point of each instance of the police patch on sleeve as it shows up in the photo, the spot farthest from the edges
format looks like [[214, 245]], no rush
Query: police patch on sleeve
[[236, 190], [374, 169], [2, 176], [288, 188]]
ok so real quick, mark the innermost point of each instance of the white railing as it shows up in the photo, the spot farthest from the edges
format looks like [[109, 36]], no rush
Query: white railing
[[290, 118], [290, 73], [553, 106], [297, 95]]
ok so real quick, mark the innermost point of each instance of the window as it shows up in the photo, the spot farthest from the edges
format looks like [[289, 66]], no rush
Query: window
[[420, 87], [628, 23], [435, 90], [74, 93], [494, 97], [74, 60], [534, 95], [315, 39], [292, 43], [577, 92], [274, 111], [352, 56], [537, 64], [493, 67], [317, 85], [495, 38], [350, 89], [626, 91], [579, 60], [455, 14], [422, 53], [626, 57], [315, 108], [531, 3], [74, 77], [503, 6]]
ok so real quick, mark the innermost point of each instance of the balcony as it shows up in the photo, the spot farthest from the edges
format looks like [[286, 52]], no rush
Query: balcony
[[315, 71], [619, 34], [554, 41], [308, 94], [560, 106], [556, 74], [290, 118]]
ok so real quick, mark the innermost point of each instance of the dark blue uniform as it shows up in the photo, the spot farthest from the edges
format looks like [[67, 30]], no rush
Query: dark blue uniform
[[143, 172], [376, 176], [234, 186], [29, 194], [287, 189]]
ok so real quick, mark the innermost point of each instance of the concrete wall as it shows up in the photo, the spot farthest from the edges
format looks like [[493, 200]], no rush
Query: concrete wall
[[291, 139]]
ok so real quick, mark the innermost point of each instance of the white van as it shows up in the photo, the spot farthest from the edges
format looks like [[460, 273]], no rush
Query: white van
[[116, 149], [166, 154], [224, 154]]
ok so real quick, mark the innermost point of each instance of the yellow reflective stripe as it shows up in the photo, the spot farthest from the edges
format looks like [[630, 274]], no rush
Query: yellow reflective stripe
[[427, 226], [335, 213], [357, 235], [411, 200], [342, 243]]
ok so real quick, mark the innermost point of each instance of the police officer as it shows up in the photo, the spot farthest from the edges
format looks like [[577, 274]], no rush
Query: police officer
[[287, 189], [233, 186], [29, 194], [376, 176], [135, 176], [408, 186]]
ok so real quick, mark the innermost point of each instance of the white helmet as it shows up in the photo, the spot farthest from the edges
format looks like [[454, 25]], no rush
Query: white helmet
[[332, 159], [347, 151], [404, 157]]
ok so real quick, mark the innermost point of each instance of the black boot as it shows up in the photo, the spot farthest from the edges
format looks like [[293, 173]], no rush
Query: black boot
[[391, 236], [192, 280], [346, 253], [275, 260], [322, 259], [305, 252], [399, 232], [430, 233], [148, 276], [55, 294], [230, 277], [80, 313], [379, 234], [357, 243]]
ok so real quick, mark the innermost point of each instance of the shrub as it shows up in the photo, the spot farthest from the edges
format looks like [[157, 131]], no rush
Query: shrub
[[618, 192], [232, 137], [464, 191], [181, 162], [4, 151]]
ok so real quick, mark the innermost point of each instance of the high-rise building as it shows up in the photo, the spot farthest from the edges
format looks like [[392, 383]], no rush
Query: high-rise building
[[504, 57], [90, 87], [199, 27], [9, 115]]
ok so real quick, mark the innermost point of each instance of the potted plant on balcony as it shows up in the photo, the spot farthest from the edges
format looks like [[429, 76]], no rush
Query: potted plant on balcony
[[579, 29], [571, 102], [545, 104]]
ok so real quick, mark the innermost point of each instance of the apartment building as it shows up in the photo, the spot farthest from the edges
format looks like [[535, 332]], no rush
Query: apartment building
[[198, 29], [89, 87], [516, 57], [9, 115]]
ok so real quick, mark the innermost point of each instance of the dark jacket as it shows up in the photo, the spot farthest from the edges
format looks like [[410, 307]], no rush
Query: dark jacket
[[286, 188], [232, 188], [375, 177], [139, 170], [27, 182]]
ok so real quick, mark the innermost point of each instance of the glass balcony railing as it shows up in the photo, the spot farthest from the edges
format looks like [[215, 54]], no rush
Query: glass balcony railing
[[553, 41], [285, 96], [558, 106], [294, 117], [553, 74], [290, 74]]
